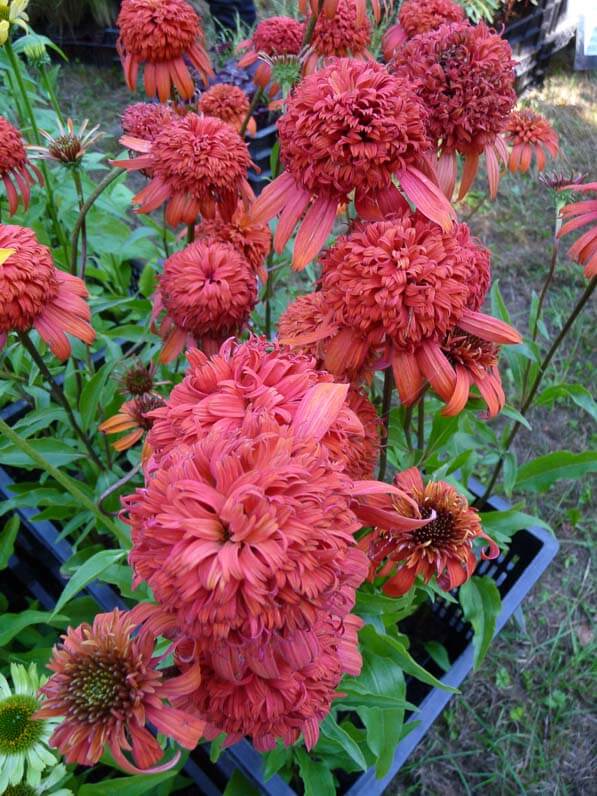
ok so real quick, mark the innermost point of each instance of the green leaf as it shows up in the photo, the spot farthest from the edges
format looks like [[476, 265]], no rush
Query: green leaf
[[439, 654], [275, 760], [239, 785], [12, 624], [8, 537], [215, 747], [539, 474], [395, 649], [510, 472], [91, 395], [316, 776], [331, 729], [502, 525], [147, 281], [127, 786], [576, 392], [54, 452], [514, 414], [69, 484], [481, 604], [498, 305], [441, 430], [88, 572], [384, 732]]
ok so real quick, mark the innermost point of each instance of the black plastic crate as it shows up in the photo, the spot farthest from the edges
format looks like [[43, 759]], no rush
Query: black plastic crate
[[40, 554]]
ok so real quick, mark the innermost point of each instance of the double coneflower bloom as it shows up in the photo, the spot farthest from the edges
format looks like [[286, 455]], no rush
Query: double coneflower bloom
[[415, 17], [325, 164], [34, 294], [197, 164], [576, 216], [530, 135], [16, 172], [464, 76], [161, 36]]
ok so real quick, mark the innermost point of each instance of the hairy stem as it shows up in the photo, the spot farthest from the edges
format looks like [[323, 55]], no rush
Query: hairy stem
[[311, 25], [16, 68], [388, 385], [538, 379], [59, 397], [421, 424], [254, 102], [101, 187], [81, 197]]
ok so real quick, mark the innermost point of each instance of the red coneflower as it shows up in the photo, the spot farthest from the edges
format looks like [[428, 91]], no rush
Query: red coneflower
[[34, 294], [529, 133], [273, 36], [443, 547], [208, 291], [464, 75], [197, 164], [576, 215], [256, 377], [159, 34], [341, 36], [250, 531], [16, 172], [147, 119], [228, 103], [308, 325], [132, 417], [405, 284], [252, 241], [278, 687], [107, 686], [325, 163], [416, 17]]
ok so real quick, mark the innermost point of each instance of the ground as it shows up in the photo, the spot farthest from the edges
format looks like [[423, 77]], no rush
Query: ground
[[523, 723]]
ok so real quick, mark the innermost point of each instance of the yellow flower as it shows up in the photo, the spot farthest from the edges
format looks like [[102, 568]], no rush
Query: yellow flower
[[12, 13]]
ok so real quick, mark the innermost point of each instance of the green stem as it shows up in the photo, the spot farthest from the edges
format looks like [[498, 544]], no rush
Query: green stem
[[190, 234], [254, 102], [267, 296], [59, 397], [421, 424], [16, 68], [51, 95], [408, 416], [101, 187], [538, 379], [81, 197], [388, 385], [68, 483]]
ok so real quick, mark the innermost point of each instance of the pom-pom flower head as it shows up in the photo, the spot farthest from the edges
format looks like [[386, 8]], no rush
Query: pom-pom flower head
[[106, 686], [324, 163], [529, 133], [342, 36], [576, 215], [34, 294], [256, 377], [146, 119], [228, 103], [160, 34], [442, 547], [16, 172], [417, 17], [208, 291], [464, 75], [252, 531], [252, 241], [273, 36], [405, 284], [197, 164], [278, 687]]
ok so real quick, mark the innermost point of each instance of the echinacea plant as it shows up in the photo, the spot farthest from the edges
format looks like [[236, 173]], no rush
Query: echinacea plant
[[256, 417]]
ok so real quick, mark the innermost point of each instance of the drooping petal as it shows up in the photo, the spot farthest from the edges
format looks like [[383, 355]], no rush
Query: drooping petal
[[314, 230], [427, 197], [488, 328], [319, 409]]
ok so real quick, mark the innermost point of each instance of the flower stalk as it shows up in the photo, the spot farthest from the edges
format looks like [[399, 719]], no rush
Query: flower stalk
[[587, 293], [101, 187], [388, 386], [59, 397]]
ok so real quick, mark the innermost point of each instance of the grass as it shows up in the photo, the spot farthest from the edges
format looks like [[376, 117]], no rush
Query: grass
[[523, 724]]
